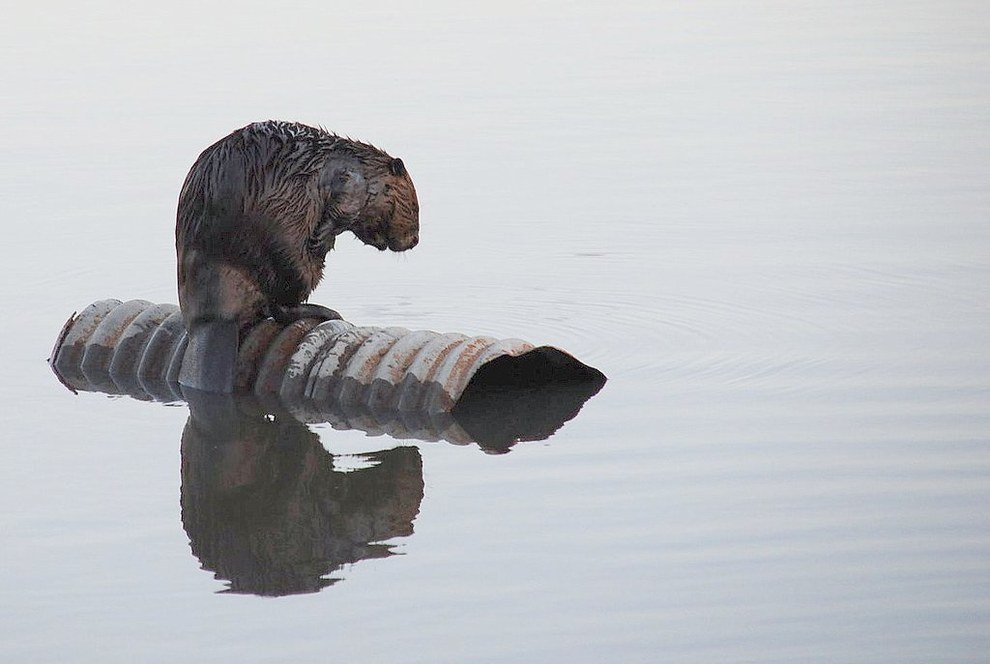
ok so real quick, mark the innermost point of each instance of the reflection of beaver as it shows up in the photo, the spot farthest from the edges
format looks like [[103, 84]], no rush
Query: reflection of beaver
[[257, 215], [266, 509]]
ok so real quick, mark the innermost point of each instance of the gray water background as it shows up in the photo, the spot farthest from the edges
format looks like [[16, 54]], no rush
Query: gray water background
[[767, 223]]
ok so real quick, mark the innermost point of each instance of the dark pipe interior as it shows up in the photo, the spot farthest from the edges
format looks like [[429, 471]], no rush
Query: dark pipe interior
[[529, 397], [541, 366]]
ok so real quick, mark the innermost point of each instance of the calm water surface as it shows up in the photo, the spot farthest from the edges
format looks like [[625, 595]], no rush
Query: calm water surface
[[768, 225]]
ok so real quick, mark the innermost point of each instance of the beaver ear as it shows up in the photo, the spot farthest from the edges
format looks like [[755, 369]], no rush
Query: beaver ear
[[348, 192], [396, 167]]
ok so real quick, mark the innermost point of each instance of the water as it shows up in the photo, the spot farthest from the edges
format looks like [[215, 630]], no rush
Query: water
[[767, 225]]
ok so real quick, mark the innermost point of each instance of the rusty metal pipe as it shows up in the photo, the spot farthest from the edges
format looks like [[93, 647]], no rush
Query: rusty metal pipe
[[137, 348]]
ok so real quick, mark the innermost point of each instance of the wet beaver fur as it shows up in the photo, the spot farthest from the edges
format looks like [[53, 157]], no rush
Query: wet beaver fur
[[257, 214]]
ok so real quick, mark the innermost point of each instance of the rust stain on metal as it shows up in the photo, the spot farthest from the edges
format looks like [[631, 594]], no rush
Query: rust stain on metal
[[449, 372], [411, 393], [272, 365], [300, 373], [253, 347]]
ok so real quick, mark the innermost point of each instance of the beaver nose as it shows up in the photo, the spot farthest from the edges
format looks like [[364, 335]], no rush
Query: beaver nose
[[403, 243]]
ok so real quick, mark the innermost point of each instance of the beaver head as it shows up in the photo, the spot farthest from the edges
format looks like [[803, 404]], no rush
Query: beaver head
[[372, 196]]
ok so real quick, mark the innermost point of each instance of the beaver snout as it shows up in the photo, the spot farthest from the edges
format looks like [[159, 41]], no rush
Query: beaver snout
[[387, 236], [403, 243], [382, 241]]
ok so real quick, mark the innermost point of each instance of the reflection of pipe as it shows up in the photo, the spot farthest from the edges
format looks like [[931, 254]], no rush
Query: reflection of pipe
[[265, 509], [391, 381]]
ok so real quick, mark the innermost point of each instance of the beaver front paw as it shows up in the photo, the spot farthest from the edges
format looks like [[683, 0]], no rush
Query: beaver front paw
[[287, 315]]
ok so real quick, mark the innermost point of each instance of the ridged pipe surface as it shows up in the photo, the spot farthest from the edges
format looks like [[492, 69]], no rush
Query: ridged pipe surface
[[137, 348]]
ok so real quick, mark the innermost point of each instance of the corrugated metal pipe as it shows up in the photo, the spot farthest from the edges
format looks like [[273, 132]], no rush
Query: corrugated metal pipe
[[388, 380]]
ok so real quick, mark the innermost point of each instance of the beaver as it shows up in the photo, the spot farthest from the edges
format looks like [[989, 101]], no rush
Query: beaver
[[257, 214]]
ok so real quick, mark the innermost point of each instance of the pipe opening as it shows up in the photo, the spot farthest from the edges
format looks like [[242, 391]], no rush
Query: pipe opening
[[527, 397], [539, 367]]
